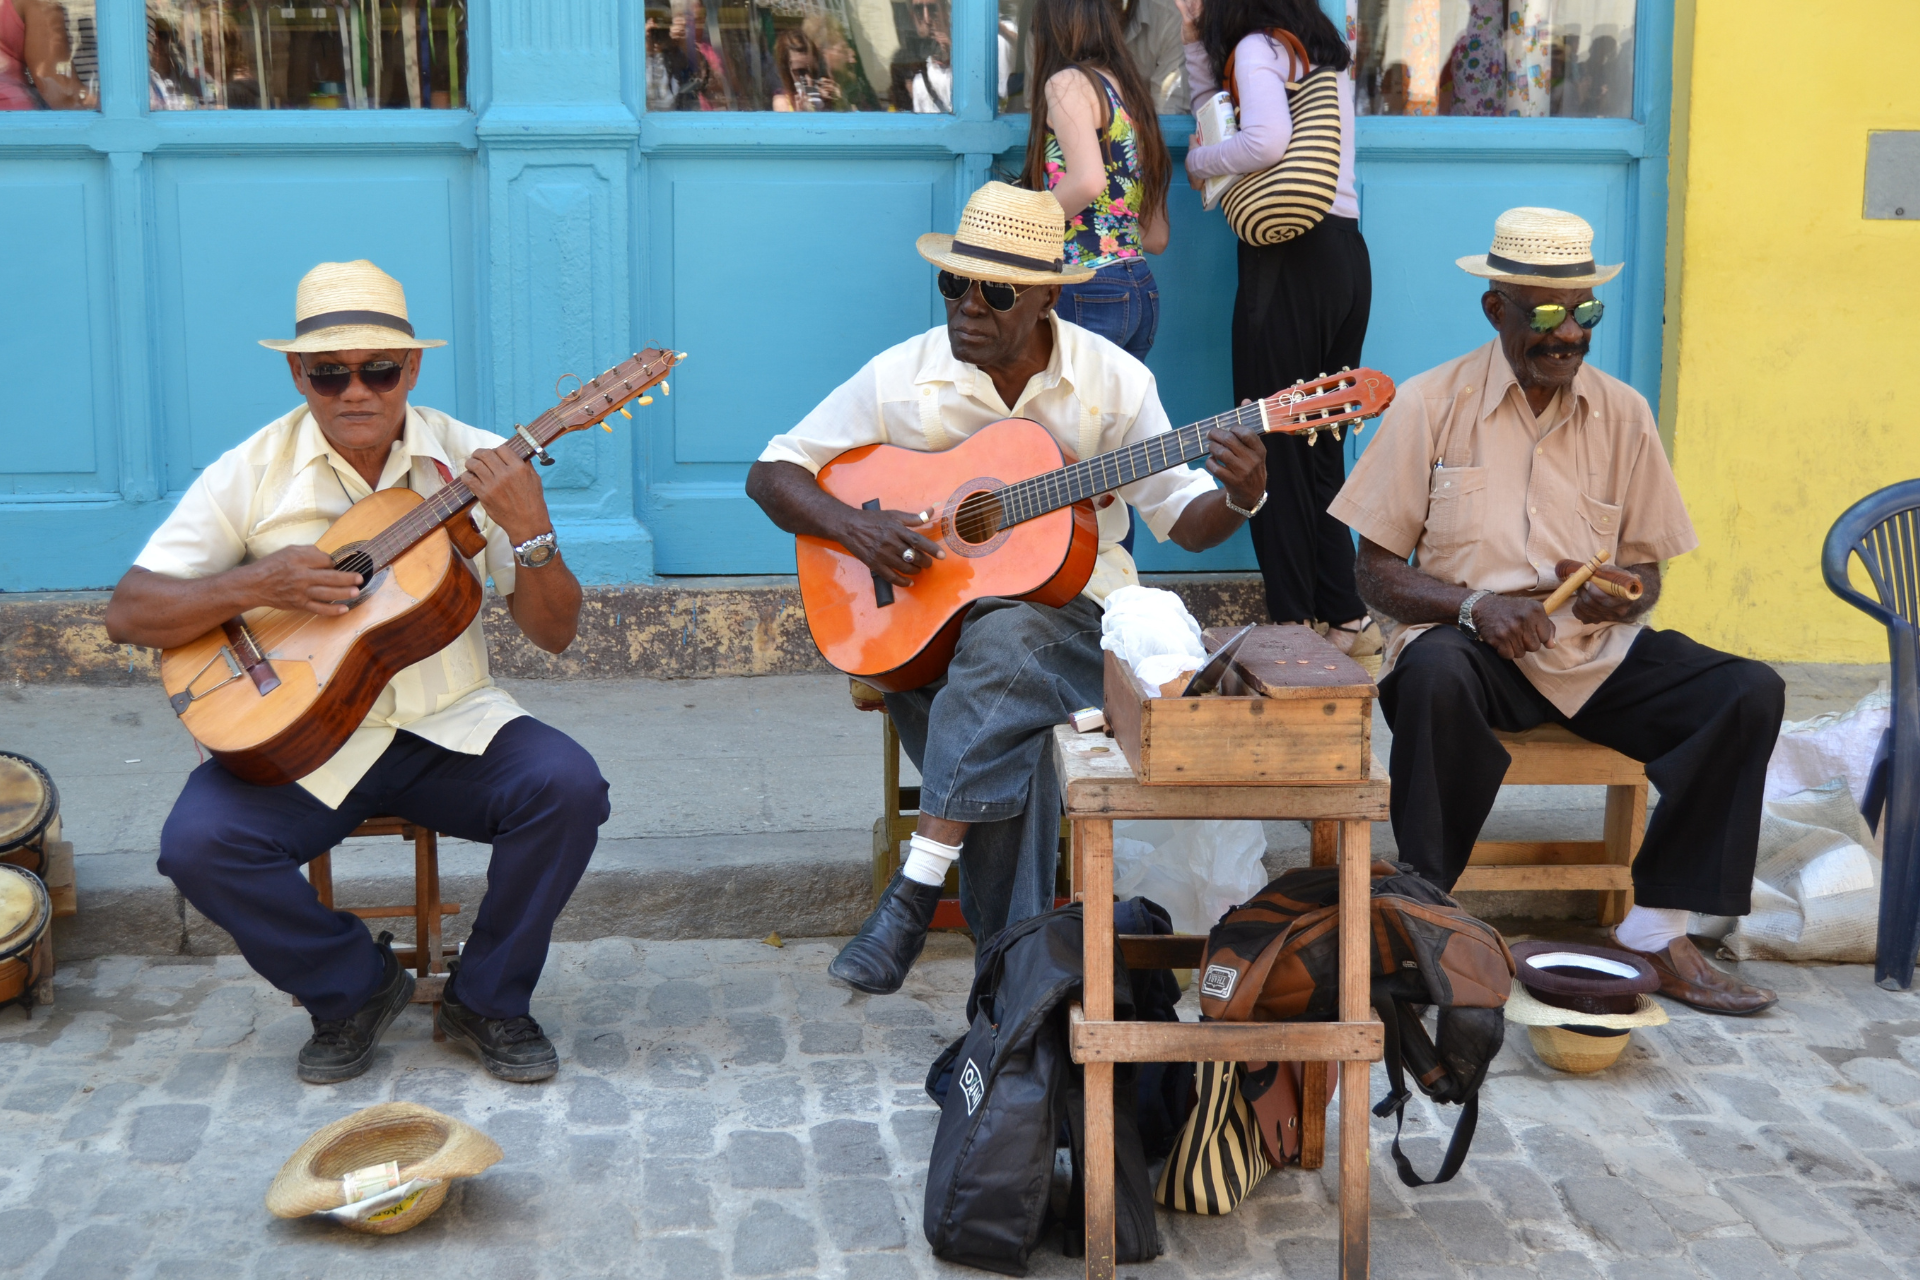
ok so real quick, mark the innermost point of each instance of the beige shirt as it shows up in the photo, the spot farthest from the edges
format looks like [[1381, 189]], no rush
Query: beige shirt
[[1154, 42], [1463, 478], [282, 487], [1092, 397]]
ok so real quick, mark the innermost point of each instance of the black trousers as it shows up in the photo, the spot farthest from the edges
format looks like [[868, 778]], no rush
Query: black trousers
[[1702, 721], [1301, 311]]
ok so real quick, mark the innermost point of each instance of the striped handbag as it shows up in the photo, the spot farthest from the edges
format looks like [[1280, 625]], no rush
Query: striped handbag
[[1290, 198], [1217, 1159]]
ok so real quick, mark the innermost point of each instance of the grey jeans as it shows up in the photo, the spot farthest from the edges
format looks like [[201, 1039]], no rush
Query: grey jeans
[[982, 737]]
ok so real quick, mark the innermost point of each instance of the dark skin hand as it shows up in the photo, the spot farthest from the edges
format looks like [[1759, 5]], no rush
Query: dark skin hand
[[362, 425]]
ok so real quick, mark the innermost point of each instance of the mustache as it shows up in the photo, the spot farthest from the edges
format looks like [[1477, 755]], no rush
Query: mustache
[[1562, 349]]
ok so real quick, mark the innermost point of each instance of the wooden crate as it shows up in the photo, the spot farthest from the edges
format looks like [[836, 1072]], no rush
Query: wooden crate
[[1293, 709]]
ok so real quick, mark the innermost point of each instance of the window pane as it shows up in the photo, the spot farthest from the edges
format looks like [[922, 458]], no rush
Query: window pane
[[1496, 58], [218, 55], [799, 55], [48, 61], [1152, 30]]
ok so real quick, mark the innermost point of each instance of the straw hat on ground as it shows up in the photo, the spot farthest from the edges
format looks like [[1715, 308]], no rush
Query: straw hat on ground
[[1578, 1003], [428, 1146], [349, 306], [1009, 235], [1543, 247]]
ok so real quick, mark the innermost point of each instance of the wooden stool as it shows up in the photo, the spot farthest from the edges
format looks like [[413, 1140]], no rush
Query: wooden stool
[[1554, 756], [425, 956]]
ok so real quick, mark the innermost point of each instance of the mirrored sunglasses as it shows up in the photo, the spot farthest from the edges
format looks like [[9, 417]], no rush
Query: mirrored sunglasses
[[1551, 315], [377, 376], [1000, 297]]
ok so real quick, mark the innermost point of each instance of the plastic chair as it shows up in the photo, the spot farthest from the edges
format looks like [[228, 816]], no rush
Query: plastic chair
[[1883, 529]]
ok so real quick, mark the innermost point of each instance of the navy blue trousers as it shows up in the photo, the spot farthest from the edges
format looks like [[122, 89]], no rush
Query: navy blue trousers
[[235, 851]]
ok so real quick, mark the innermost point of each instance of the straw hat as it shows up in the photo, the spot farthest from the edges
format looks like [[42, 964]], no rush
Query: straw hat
[[349, 306], [1543, 247], [428, 1146], [1009, 235]]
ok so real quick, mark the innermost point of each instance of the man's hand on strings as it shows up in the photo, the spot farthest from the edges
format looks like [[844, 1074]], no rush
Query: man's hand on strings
[[888, 543], [301, 579], [506, 486], [1237, 457]]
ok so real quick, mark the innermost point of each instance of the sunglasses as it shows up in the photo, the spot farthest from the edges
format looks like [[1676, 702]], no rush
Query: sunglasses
[[1000, 297], [1551, 315], [377, 376]]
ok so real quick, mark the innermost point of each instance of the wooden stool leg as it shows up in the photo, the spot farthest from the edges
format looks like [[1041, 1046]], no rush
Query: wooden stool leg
[[1094, 839], [426, 911], [886, 849], [1326, 842], [320, 876], [1313, 1116], [1626, 825], [1356, 857]]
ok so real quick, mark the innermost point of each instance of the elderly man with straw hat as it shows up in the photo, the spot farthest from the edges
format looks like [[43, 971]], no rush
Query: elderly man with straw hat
[[443, 746], [988, 797], [1492, 478]]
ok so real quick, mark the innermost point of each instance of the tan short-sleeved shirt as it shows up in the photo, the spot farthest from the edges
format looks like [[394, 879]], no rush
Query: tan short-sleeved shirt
[[1463, 478], [282, 487], [1092, 397]]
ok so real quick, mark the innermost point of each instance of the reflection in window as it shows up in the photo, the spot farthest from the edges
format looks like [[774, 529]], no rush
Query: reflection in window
[[216, 55], [48, 60], [1152, 29], [799, 55], [1495, 58]]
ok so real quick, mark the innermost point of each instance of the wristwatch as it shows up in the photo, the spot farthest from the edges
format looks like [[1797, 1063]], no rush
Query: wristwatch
[[1466, 612], [1242, 511], [537, 550]]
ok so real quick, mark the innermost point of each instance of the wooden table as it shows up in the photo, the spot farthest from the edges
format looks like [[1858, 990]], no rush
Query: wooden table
[[1099, 788]]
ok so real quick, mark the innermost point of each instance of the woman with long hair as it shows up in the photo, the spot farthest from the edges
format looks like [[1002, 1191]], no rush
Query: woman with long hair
[[1094, 141], [1302, 305]]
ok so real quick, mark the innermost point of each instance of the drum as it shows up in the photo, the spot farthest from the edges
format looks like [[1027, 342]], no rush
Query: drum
[[29, 812], [25, 913]]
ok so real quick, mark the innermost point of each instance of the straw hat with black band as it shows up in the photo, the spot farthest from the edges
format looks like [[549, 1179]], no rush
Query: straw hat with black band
[[1545, 247], [1007, 235], [350, 306]]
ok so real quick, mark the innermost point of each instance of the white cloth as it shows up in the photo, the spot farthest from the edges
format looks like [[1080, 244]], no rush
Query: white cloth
[[918, 396], [933, 89], [282, 487], [928, 860]]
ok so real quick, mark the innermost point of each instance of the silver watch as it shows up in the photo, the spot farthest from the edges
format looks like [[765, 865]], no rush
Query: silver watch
[[1242, 511], [537, 550], [1466, 612]]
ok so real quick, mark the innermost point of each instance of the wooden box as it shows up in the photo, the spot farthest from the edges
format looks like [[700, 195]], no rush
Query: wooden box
[[1291, 709]]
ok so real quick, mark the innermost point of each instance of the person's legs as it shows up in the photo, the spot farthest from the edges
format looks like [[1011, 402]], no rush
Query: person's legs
[[1350, 301], [1443, 700]]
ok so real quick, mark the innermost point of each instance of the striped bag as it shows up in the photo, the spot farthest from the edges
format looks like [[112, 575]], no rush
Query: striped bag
[[1217, 1159], [1290, 198]]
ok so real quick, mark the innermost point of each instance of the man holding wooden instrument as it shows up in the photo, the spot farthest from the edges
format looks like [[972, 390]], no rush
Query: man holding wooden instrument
[[442, 746], [1499, 475]]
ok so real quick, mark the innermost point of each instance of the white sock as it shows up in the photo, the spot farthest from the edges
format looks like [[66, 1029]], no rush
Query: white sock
[[1652, 928], [928, 860]]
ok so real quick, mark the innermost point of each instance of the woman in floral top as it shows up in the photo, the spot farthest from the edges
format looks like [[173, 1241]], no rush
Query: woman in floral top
[[1095, 143]]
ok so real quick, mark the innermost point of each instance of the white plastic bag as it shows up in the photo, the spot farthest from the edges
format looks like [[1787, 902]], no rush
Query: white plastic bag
[[1816, 887], [1153, 633], [1809, 753], [1196, 870]]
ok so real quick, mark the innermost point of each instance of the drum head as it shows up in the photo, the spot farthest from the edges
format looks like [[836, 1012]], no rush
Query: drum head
[[27, 800], [24, 909]]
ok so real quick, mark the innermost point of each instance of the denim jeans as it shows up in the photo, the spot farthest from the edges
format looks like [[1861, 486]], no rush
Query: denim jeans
[[1121, 304], [983, 738]]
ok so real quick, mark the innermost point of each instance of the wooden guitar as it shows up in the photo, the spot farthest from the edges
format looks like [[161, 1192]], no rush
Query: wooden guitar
[[1015, 523], [275, 692]]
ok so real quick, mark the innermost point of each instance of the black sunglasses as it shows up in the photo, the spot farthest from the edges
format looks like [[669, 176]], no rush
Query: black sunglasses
[[1549, 316], [377, 376], [1000, 297]]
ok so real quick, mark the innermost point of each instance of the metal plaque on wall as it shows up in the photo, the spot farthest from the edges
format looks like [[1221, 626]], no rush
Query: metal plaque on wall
[[1893, 174]]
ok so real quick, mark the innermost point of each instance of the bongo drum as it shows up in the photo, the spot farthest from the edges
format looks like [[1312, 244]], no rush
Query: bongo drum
[[29, 812], [25, 913]]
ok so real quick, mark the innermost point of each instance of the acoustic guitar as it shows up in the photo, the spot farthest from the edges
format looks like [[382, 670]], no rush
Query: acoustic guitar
[[1015, 522], [273, 693]]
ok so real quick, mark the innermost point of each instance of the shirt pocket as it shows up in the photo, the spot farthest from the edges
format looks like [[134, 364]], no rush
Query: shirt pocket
[[1456, 502], [1604, 519]]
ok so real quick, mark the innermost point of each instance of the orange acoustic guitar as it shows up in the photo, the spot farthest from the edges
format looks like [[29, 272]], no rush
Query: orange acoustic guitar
[[1014, 521], [275, 692]]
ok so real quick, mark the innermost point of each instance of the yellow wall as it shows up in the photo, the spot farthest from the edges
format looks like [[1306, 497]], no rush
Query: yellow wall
[[1792, 386]]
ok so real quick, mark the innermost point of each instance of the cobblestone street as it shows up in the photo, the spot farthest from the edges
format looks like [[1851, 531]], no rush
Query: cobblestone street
[[724, 1110]]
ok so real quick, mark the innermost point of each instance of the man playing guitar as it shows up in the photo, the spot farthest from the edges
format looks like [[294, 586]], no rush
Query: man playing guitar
[[978, 734], [442, 747]]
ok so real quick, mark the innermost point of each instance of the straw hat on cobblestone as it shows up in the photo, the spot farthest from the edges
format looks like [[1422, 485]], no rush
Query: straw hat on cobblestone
[[1545, 247], [429, 1147], [1009, 235], [349, 306]]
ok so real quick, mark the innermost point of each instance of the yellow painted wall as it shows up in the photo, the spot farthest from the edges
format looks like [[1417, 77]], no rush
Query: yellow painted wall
[[1793, 352]]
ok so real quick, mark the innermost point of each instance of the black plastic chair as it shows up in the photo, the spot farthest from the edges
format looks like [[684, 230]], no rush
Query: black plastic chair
[[1883, 529]]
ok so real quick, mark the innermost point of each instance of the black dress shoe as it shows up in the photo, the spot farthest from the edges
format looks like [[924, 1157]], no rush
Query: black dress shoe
[[511, 1048], [876, 959], [342, 1048]]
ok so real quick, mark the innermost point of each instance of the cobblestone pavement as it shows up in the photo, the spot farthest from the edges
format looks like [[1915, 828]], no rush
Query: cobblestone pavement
[[724, 1110]]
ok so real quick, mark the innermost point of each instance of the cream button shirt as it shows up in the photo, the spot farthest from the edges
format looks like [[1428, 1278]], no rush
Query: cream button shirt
[[1482, 494], [282, 487], [1092, 397]]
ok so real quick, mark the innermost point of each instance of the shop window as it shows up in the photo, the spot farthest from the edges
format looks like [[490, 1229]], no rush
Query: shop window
[[48, 60], [800, 55], [218, 55], [1152, 32], [1495, 58]]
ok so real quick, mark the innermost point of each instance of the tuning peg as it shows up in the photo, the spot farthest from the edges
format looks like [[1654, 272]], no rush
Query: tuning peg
[[665, 390], [1336, 432], [623, 413], [1346, 368], [1313, 437], [680, 355], [643, 401], [609, 430]]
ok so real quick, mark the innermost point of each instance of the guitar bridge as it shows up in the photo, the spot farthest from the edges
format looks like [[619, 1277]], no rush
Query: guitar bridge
[[247, 651]]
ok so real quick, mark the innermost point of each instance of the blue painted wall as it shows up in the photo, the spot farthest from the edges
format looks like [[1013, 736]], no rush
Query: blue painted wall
[[555, 227]]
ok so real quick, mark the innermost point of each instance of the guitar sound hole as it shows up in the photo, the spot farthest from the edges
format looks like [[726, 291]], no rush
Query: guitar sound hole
[[977, 519], [355, 562]]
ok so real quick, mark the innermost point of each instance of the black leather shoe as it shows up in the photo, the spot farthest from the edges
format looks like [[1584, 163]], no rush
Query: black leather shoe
[[341, 1048], [876, 959], [512, 1048]]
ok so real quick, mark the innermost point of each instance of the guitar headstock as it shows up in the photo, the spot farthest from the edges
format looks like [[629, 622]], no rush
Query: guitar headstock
[[1327, 403], [591, 402]]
